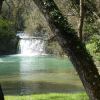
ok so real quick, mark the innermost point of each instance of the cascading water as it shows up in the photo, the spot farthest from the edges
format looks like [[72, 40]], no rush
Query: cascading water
[[29, 45]]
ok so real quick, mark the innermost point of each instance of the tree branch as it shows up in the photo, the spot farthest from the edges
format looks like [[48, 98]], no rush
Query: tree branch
[[81, 20]]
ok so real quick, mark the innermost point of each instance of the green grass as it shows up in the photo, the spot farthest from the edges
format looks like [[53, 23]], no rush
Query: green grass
[[51, 96]]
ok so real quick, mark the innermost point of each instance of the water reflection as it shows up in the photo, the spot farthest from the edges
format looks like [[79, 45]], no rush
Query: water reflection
[[21, 75]]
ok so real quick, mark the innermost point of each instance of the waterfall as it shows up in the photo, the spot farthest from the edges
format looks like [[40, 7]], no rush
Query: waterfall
[[29, 45]]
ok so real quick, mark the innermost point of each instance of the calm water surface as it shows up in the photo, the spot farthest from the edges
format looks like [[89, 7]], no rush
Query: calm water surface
[[21, 75]]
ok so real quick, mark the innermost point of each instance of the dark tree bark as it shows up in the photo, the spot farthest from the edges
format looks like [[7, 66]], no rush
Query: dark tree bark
[[72, 46], [1, 2]]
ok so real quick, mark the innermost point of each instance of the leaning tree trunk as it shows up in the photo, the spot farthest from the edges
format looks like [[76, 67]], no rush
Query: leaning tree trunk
[[72, 46]]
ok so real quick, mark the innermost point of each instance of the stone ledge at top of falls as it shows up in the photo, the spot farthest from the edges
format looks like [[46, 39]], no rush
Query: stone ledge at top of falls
[[31, 37], [26, 36]]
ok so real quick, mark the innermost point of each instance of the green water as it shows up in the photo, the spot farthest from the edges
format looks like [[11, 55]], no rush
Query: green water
[[37, 74]]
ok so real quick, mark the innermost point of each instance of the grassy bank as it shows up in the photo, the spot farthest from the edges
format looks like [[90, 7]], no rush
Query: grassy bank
[[51, 96]]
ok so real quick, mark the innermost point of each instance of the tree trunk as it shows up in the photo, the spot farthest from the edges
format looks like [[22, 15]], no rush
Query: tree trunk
[[1, 2], [72, 46], [1, 94], [81, 20]]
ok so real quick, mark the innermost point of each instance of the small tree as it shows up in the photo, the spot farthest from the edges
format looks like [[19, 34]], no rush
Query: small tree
[[81, 20]]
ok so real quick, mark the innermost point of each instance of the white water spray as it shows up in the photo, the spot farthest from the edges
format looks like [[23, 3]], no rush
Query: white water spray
[[29, 45]]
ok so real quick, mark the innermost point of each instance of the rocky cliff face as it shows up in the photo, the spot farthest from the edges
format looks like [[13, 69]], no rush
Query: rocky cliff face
[[8, 45]]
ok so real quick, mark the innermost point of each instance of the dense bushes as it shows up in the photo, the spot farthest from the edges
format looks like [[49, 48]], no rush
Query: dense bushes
[[8, 40], [6, 28]]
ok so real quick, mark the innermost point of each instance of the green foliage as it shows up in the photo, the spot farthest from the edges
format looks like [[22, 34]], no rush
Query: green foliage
[[6, 29], [91, 47], [94, 47], [96, 40], [91, 28], [94, 44]]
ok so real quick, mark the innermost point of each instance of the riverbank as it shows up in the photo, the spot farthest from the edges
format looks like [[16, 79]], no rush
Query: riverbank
[[50, 96]]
